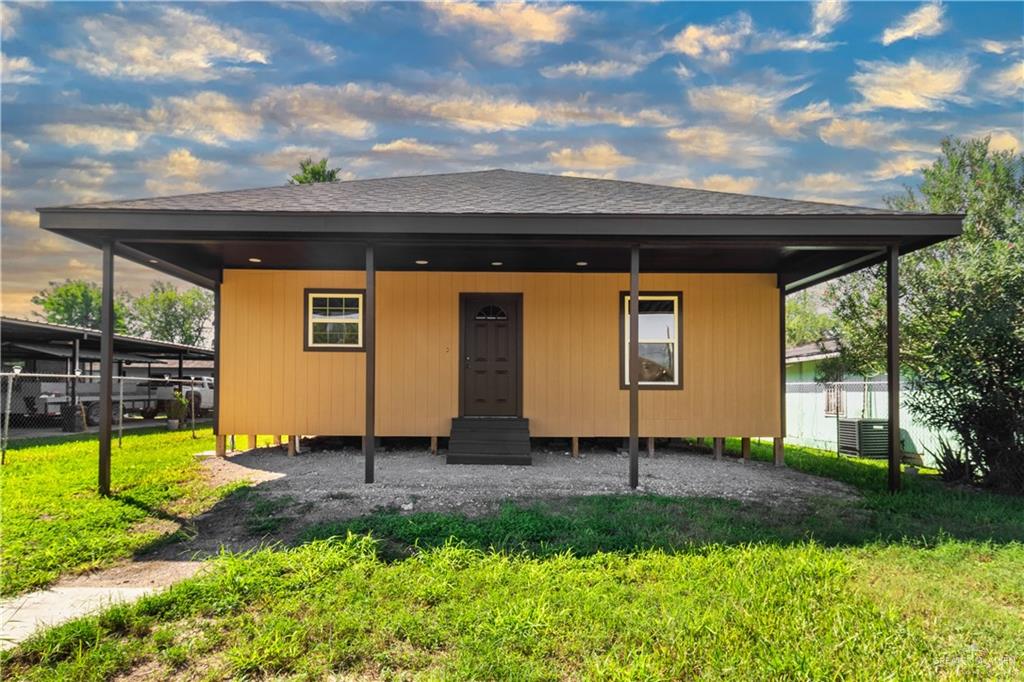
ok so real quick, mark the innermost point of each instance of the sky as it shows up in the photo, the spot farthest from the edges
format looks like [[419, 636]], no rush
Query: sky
[[829, 100]]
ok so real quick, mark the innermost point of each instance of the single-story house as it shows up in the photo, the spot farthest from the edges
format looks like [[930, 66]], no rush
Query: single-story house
[[495, 306]]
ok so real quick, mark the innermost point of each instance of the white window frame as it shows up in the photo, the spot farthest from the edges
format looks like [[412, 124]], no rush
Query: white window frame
[[676, 312], [312, 319]]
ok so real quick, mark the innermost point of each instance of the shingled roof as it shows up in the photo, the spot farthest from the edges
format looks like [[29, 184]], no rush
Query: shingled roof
[[491, 192]]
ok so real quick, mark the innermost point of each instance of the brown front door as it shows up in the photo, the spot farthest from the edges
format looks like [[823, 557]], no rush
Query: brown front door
[[491, 378]]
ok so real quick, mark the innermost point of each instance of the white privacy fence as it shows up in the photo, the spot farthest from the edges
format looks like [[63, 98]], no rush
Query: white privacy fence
[[41, 404], [813, 410]]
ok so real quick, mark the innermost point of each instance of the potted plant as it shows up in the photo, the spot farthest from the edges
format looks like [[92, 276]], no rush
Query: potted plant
[[177, 408]]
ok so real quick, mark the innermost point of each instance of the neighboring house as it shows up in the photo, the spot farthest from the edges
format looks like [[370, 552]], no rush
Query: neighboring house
[[495, 306], [813, 409]]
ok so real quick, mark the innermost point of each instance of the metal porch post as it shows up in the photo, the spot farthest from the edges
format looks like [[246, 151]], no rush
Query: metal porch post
[[369, 322], [75, 346], [106, 367], [634, 367], [892, 304]]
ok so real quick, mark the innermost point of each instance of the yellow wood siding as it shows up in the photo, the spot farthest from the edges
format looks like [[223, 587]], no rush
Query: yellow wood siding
[[730, 355]]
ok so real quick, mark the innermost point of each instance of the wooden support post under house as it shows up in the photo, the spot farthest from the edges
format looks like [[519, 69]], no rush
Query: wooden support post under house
[[779, 450], [252, 441], [221, 446], [650, 446], [433, 445], [292, 445], [231, 441], [575, 446], [719, 447], [745, 449]]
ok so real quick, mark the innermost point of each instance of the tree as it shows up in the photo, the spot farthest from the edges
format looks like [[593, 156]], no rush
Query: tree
[[78, 303], [961, 307], [805, 322], [166, 314], [310, 173]]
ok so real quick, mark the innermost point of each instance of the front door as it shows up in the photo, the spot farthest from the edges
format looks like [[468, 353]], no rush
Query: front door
[[490, 378]]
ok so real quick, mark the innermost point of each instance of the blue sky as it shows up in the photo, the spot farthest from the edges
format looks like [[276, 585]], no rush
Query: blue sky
[[831, 101]]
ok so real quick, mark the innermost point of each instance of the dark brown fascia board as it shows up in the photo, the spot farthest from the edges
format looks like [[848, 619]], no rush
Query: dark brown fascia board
[[183, 222]]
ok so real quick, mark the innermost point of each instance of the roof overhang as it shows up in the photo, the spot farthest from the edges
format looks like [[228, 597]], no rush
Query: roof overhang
[[802, 250]]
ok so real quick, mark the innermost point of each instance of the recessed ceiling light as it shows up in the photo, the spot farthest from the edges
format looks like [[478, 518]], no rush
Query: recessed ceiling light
[[255, 260], [154, 261], [422, 262], [582, 263], [497, 263]]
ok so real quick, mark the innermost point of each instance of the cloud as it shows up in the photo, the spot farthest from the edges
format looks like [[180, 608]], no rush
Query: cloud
[[407, 146], [20, 219], [179, 172], [610, 175], [722, 183], [745, 150], [348, 110], [714, 43], [511, 28], [286, 159], [321, 51], [604, 69], [926, 20], [83, 180], [827, 187], [681, 72], [484, 149], [600, 156], [10, 17], [900, 166], [1007, 82], [18, 69], [332, 10], [1001, 139], [863, 133], [825, 15], [174, 45], [914, 86], [317, 108], [1000, 46], [208, 117], [105, 139], [749, 103]]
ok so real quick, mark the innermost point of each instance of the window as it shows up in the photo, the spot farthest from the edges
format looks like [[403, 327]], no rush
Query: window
[[491, 312], [334, 319], [834, 406], [660, 333]]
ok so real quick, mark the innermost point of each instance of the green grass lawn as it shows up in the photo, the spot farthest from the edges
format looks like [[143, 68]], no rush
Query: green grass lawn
[[54, 521], [924, 585]]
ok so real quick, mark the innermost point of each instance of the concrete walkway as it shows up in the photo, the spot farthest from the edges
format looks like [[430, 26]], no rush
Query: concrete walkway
[[77, 596]]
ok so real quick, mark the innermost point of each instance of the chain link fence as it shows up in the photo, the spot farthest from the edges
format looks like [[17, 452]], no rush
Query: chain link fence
[[36, 405]]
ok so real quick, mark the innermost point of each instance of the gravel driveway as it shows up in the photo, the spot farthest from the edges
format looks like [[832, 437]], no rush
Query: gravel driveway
[[316, 487]]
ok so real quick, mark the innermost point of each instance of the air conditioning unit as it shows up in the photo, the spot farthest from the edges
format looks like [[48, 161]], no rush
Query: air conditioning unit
[[864, 437]]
